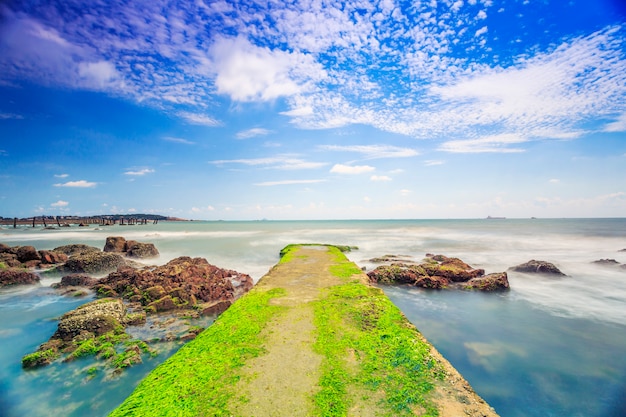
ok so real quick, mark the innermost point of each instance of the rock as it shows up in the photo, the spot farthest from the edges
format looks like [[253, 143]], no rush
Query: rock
[[27, 253], [392, 259], [76, 249], [606, 262], [216, 308], [163, 304], [537, 267], [453, 269], [397, 273], [115, 244], [9, 259], [97, 317], [4, 248], [51, 257], [92, 263], [141, 250], [181, 283], [438, 272], [130, 248], [76, 280], [436, 283], [17, 276], [492, 282]]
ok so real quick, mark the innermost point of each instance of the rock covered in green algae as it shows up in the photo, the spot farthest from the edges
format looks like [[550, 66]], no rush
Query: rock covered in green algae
[[94, 328]]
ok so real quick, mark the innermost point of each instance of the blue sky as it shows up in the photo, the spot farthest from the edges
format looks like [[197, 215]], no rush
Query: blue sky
[[313, 109]]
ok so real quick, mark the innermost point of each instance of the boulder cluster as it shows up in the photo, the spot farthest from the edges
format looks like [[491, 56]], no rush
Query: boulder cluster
[[437, 272], [127, 292], [16, 263]]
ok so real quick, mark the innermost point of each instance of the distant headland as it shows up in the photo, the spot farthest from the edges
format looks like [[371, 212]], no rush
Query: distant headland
[[100, 219]]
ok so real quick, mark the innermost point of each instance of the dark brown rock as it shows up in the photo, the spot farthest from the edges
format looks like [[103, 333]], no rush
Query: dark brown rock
[[492, 282], [216, 308], [92, 263], [4, 248], [76, 280], [52, 257], [453, 269], [76, 249], [397, 273], [17, 276], [115, 244], [139, 250], [9, 259], [27, 253], [163, 304], [181, 283], [537, 267], [439, 272], [436, 283]]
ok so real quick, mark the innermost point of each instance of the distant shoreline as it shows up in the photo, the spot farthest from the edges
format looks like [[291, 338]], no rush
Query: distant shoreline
[[102, 219]]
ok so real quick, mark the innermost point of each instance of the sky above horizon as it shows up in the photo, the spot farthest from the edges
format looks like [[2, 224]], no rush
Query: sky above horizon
[[243, 110]]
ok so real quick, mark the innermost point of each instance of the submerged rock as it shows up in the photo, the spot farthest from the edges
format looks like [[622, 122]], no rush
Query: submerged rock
[[537, 267], [438, 272], [493, 282], [94, 328], [76, 280], [97, 318]]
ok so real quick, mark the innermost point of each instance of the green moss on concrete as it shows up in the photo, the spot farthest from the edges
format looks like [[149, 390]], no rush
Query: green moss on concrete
[[360, 320], [198, 380]]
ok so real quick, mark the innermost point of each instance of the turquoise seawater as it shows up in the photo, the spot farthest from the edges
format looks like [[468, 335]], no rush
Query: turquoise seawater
[[548, 347]]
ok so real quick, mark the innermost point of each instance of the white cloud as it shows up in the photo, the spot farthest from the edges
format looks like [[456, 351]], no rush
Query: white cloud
[[619, 125], [374, 151], [287, 182], [554, 181], [61, 175], [495, 143], [351, 169], [320, 60], [286, 162], [97, 74], [178, 140], [60, 203], [377, 178], [247, 72], [5, 116], [481, 31], [140, 172], [199, 119], [433, 162], [77, 184], [250, 133]]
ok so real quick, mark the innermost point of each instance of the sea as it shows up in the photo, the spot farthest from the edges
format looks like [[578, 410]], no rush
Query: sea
[[551, 346]]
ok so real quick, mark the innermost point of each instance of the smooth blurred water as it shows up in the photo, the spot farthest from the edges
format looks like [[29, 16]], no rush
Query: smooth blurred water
[[549, 347]]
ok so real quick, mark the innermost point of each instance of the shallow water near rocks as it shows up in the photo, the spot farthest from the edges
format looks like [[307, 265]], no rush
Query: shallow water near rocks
[[548, 347]]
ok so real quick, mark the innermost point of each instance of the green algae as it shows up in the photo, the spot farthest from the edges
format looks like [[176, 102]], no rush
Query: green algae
[[198, 380], [391, 358]]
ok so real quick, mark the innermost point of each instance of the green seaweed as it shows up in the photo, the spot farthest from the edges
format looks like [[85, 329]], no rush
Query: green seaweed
[[392, 359], [199, 379]]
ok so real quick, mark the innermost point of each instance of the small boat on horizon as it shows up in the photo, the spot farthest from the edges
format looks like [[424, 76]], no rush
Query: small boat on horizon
[[495, 218]]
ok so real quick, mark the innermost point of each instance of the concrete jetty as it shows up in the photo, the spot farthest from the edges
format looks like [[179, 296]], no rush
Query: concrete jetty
[[313, 338]]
